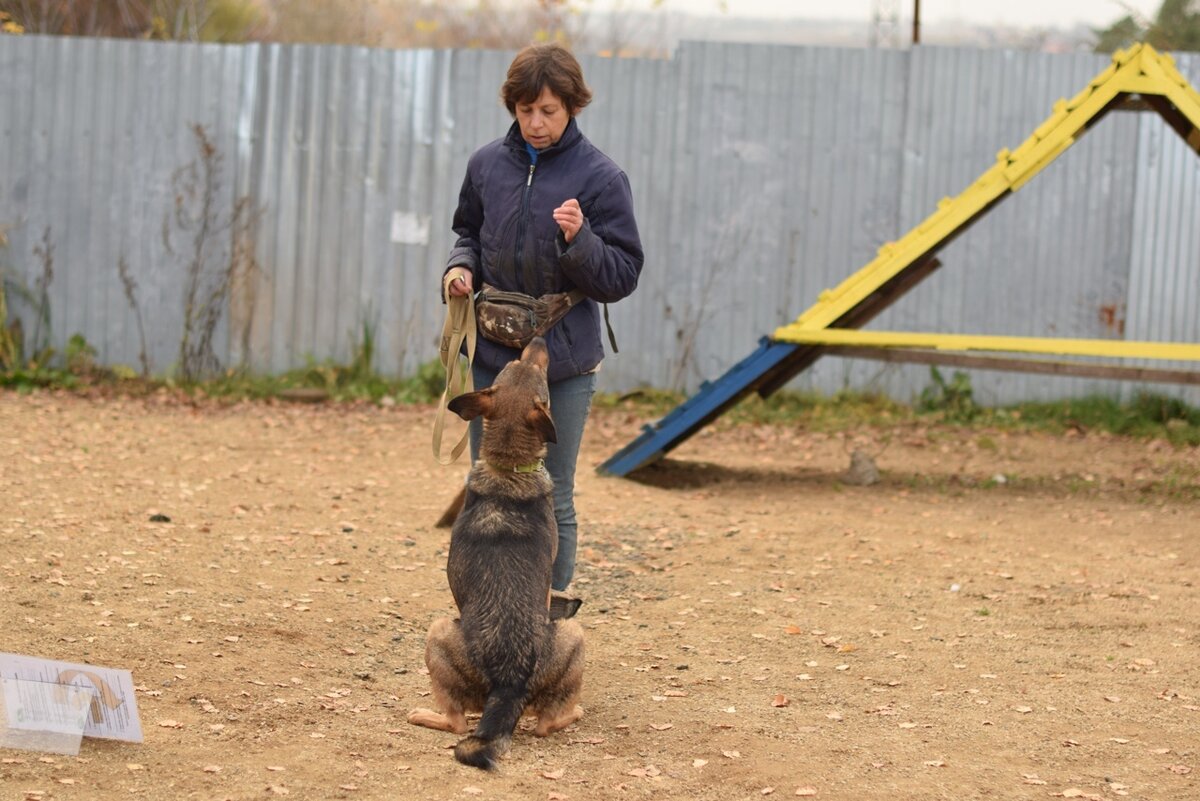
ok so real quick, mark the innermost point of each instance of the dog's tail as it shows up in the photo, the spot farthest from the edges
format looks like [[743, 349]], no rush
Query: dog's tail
[[453, 510], [494, 733]]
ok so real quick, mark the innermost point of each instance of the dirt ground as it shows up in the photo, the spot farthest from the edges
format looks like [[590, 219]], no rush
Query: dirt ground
[[1001, 617]]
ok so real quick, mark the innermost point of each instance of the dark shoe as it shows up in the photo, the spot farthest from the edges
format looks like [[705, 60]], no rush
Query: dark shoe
[[563, 606]]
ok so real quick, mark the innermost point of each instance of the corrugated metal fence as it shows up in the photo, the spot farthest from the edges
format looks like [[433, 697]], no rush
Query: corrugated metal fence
[[761, 174]]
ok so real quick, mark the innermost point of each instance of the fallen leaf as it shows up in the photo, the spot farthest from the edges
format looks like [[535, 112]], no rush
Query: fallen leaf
[[347, 786], [780, 700], [793, 630], [212, 768], [732, 754], [699, 763], [170, 724], [1182, 770], [472, 790], [767, 790], [1024, 710], [806, 791], [662, 726], [134, 766], [554, 774], [934, 763], [556, 797], [834, 715], [66, 781], [277, 789]]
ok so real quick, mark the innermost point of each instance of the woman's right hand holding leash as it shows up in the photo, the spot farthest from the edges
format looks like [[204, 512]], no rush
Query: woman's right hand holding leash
[[459, 282]]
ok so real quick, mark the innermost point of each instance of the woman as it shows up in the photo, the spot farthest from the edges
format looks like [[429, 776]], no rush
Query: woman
[[543, 211]]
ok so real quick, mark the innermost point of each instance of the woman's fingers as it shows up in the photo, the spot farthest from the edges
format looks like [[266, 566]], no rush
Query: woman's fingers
[[569, 217], [460, 282]]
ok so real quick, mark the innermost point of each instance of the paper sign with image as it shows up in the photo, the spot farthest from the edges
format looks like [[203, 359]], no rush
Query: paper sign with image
[[48, 693]]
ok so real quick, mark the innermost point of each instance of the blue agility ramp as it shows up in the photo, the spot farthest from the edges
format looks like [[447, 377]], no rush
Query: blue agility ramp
[[709, 402]]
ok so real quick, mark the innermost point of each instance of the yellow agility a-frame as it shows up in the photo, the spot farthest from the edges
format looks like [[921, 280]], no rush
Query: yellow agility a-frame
[[1138, 78]]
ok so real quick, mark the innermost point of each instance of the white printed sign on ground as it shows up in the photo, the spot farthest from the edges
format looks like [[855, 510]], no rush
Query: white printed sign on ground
[[50, 705], [40, 716]]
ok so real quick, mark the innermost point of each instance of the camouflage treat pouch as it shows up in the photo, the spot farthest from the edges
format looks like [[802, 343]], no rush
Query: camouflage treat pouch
[[514, 318]]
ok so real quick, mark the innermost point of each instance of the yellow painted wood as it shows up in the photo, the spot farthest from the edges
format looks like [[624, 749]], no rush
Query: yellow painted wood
[[1137, 70], [1031, 170], [1111, 348]]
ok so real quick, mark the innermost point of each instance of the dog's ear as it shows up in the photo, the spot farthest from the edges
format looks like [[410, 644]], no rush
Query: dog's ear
[[539, 420], [472, 404]]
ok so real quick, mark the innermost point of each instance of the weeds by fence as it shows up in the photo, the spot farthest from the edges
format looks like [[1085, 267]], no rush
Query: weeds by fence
[[209, 278], [130, 287]]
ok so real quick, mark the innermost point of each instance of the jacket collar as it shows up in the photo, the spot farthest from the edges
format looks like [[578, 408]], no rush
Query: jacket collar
[[571, 135]]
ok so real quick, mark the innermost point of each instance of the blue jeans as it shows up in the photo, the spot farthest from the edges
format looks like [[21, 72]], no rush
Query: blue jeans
[[570, 402]]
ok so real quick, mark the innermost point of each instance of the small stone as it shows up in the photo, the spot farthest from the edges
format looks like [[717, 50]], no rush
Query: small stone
[[863, 471]]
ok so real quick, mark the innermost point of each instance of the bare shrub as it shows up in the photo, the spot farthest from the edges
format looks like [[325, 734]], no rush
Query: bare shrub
[[210, 276]]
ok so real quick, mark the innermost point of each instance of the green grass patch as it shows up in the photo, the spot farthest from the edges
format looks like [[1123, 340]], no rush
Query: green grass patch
[[337, 382], [946, 403], [1148, 416]]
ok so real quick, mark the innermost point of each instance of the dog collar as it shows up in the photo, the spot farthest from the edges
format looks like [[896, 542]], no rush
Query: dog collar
[[532, 467]]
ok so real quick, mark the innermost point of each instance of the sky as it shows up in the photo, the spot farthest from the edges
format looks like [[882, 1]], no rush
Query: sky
[[1013, 13]]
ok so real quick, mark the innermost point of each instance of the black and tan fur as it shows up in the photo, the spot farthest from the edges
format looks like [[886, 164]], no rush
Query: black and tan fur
[[504, 656]]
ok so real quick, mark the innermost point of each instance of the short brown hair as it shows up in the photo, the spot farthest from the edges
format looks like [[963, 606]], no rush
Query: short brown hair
[[545, 65]]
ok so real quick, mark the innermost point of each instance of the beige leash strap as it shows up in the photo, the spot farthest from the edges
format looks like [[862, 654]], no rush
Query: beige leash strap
[[459, 327]]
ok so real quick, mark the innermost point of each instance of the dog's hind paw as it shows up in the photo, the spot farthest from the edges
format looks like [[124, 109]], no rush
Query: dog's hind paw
[[436, 720], [546, 727]]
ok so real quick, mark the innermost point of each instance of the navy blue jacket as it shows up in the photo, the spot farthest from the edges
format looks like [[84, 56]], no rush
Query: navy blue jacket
[[508, 238]]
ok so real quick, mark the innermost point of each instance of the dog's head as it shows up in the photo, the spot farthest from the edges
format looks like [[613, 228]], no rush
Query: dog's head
[[515, 408]]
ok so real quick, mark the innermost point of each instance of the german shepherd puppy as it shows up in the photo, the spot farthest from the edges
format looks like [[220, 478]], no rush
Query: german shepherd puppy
[[504, 655]]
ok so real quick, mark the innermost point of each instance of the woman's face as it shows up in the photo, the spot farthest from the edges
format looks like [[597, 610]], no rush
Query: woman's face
[[544, 120]]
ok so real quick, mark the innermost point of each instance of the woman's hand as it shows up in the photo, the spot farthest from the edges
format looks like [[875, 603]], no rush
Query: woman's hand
[[459, 281], [569, 218]]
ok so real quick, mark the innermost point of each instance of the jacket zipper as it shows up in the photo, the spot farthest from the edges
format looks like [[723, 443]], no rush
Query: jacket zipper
[[529, 288]]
